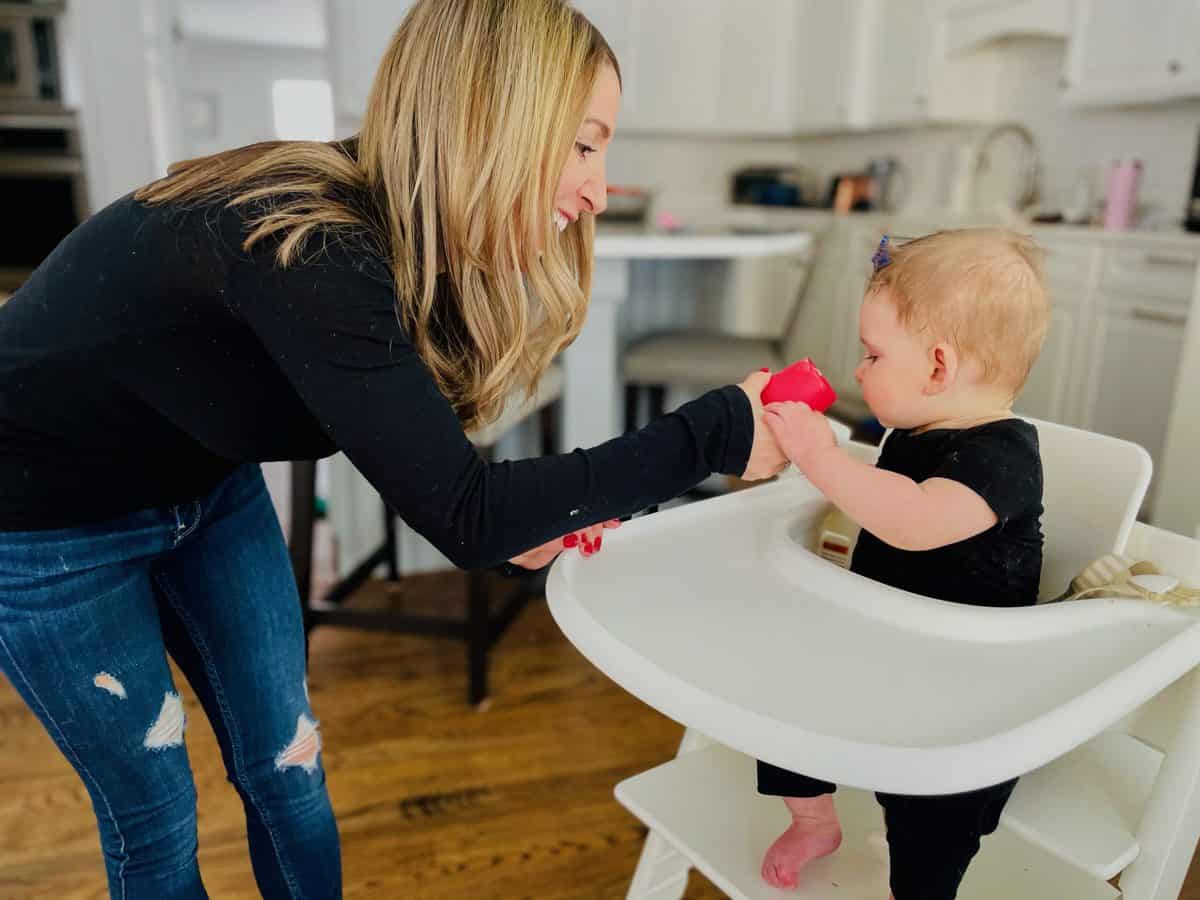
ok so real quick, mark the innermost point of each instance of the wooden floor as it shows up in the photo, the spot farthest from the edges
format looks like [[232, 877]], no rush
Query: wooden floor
[[434, 799]]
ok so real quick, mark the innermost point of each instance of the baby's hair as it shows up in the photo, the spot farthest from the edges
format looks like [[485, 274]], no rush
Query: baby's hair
[[981, 289]]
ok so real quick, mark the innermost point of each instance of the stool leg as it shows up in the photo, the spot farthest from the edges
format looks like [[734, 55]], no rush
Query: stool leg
[[631, 407], [303, 516], [478, 623], [658, 408], [548, 428], [658, 400], [391, 543], [478, 635]]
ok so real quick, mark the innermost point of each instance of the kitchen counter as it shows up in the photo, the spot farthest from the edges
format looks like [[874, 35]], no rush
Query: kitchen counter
[[922, 220], [638, 242]]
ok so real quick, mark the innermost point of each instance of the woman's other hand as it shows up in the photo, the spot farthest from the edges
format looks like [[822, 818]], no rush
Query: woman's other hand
[[587, 541]]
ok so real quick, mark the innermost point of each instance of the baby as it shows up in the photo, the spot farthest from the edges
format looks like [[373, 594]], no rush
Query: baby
[[951, 324]]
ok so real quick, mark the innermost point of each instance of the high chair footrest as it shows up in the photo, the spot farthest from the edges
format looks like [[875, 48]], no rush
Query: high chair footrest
[[1084, 807], [706, 805]]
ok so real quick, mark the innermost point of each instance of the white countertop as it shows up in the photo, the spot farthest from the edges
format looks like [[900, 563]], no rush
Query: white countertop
[[637, 242], [921, 221]]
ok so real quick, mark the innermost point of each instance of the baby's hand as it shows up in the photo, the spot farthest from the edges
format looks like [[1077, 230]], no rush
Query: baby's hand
[[799, 431]]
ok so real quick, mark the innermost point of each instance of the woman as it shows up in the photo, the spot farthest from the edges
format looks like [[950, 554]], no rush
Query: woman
[[284, 301]]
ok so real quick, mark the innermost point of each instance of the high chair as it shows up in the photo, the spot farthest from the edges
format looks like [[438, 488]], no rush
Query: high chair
[[788, 658]]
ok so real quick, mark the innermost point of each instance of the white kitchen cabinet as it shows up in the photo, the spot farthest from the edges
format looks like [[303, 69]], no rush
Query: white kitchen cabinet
[[619, 23], [704, 66], [894, 71], [1135, 353], [828, 68], [1052, 391], [969, 24], [759, 67], [755, 67], [1121, 52], [359, 33], [676, 57], [1047, 393]]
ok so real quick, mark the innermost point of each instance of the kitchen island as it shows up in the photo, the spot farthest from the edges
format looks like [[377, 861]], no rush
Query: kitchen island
[[592, 394]]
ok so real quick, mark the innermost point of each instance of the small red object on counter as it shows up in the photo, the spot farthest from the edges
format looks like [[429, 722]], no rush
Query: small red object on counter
[[800, 382]]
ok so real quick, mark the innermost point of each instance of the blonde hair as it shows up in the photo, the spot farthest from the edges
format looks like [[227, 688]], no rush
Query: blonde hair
[[470, 120], [981, 289]]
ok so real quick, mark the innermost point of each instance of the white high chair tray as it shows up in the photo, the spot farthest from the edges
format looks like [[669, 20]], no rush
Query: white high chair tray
[[718, 615]]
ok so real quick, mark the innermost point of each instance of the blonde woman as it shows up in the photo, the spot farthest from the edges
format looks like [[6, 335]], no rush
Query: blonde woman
[[284, 301]]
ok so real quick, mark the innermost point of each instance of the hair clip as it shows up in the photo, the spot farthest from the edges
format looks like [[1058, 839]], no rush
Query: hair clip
[[881, 257]]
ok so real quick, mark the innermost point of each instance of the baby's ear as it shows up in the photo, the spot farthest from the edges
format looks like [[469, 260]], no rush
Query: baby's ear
[[943, 369]]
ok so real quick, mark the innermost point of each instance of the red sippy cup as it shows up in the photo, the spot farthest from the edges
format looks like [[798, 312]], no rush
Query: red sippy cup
[[802, 382]]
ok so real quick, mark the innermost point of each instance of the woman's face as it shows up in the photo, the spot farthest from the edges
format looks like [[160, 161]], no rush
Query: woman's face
[[582, 187]]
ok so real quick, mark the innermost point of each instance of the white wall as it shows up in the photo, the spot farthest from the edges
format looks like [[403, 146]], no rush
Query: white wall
[[296, 23], [688, 170], [118, 70], [234, 80], [1163, 137]]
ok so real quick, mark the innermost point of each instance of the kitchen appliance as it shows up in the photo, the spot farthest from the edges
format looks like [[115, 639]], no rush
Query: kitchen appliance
[[28, 58], [47, 184], [772, 186], [626, 204], [41, 167]]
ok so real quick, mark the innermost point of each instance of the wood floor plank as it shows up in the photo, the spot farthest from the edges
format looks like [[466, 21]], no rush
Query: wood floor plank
[[435, 800]]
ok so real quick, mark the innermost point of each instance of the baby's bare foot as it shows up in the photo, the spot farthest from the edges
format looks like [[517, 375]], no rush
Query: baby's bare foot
[[814, 832]]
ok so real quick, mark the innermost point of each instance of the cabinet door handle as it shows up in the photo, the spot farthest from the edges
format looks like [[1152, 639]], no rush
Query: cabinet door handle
[[1141, 314], [1181, 261]]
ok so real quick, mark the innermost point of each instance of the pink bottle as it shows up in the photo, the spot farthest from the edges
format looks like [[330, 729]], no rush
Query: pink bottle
[[801, 381], [1121, 198]]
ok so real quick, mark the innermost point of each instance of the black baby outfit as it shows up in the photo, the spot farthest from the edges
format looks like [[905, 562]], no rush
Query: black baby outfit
[[932, 839]]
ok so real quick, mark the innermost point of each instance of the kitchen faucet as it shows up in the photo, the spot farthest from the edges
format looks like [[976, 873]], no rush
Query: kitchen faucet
[[1028, 171]]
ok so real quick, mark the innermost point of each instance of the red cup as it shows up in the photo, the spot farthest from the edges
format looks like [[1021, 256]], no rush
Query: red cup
[[800, 382]]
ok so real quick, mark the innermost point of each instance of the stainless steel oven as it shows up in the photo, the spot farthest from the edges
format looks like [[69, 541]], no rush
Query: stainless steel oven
[[28, 56], [41, 167]]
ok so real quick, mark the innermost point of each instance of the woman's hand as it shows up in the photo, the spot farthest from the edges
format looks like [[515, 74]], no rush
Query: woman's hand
[[588, 542], [799, 431], [766, 459]]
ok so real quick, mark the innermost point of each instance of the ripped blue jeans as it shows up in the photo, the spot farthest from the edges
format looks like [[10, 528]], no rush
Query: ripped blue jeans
[[87, 618]]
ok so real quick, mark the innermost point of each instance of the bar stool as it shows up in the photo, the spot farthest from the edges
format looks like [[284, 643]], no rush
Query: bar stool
[[480, 629]]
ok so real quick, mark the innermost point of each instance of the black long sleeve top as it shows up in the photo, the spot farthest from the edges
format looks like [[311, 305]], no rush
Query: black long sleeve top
[[149, 355]]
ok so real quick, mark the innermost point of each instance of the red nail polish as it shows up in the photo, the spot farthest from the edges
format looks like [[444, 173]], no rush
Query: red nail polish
[[598, 542], [765, 369], [570, 541]]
